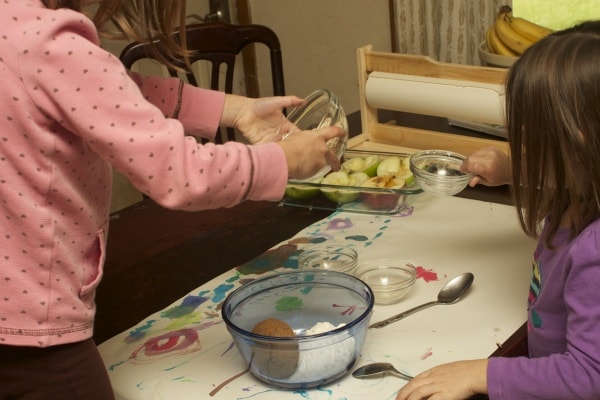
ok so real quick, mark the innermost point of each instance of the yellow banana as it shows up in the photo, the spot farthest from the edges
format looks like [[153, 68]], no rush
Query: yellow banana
[[513, 40], [488, 39], [495, 44], [526, 28]]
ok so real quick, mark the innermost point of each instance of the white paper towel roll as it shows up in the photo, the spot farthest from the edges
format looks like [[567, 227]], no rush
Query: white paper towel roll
[[456, 99]]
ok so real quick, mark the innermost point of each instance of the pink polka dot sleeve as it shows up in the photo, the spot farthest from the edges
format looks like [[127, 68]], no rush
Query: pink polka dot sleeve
[[89, 93]]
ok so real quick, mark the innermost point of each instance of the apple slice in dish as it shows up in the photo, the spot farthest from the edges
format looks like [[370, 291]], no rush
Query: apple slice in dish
[[382, 201], [342, 178], [302, 192], [367, 164]]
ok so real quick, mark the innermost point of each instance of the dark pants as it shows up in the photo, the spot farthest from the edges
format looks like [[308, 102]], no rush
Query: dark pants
[[72, 371]]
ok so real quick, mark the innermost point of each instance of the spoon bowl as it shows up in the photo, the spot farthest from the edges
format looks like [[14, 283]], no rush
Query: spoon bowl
[[455, 288], [449, 294], [378, 369]]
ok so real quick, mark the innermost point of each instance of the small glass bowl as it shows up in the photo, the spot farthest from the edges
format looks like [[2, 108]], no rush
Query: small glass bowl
[[438, 171], [305, 301], [390, 280], [328, 256], [320, 110]]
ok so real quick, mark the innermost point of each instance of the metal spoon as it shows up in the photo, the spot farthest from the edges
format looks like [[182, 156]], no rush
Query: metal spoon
[[450, 293], [377, 369]]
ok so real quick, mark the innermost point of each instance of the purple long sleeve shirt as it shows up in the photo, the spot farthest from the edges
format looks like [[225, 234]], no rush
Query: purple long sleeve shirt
[[69, 112], [563, 325]]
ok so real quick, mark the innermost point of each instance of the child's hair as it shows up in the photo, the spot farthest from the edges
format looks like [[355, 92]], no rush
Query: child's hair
[[553, 119], [152, 21]]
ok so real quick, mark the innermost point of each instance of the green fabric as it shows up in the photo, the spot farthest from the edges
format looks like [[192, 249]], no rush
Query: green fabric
[[556, 14]]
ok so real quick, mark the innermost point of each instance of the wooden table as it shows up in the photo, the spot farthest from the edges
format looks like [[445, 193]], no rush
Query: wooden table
[[155, 247], [159, 250], [155, 255]]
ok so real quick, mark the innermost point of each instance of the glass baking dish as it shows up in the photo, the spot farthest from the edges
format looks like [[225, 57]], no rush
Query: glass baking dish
[[353, 198]]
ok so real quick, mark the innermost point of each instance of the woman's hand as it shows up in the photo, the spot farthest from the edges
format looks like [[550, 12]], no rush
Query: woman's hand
[[259, 120], [307, 152], [453, 381], [490, 165]]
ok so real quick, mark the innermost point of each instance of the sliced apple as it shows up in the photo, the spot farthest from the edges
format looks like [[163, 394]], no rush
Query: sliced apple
[[342, 178], [300, 191], [358, 178], [406, 163], [383, 201], [397, 167], [384, 181], [367, 164], [389, 166], [407, 176]]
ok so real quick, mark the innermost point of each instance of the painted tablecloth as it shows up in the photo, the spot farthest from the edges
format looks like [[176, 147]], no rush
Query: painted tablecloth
[[185, 352]]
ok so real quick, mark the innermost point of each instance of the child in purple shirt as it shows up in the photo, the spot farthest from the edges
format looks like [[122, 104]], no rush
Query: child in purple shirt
[[553, 121]]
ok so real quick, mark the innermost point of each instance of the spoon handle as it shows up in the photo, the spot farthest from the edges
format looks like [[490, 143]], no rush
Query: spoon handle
[[398, 317], [402, 375]]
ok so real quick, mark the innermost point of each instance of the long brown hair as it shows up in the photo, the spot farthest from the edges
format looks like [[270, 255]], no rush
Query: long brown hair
[[151, 21], [553, 119]]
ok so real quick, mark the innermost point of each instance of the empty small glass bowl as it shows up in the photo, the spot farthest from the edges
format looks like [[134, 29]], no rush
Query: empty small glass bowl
[[320, 110], [438, 171], [390, 280], [328, 256], [327, 314]]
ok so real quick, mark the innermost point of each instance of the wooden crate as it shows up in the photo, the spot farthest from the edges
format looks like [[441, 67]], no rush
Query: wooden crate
[[380, 136]]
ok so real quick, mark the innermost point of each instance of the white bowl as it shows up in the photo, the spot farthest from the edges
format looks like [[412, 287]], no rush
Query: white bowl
[[494, 59]]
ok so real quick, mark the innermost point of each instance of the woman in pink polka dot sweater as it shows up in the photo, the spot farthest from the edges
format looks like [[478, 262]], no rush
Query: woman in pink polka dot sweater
[[69, 113]]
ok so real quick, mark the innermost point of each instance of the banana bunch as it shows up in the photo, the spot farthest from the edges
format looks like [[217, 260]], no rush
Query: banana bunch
[[510, 35]]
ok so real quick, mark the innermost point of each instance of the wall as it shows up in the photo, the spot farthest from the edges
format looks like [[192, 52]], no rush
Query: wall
[[319, 39], [557, 14], [446, 30]]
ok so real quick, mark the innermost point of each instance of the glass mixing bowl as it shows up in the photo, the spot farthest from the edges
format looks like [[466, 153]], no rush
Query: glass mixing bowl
[[326, 313], [321, 109]]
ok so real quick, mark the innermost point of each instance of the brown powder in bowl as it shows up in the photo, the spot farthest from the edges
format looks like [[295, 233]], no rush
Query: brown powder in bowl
[[275, 360], [273, 327]]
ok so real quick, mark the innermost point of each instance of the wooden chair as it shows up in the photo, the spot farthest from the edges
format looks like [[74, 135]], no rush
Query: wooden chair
[[219, 44]]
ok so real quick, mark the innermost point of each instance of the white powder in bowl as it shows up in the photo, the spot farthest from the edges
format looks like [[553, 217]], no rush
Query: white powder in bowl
[[330, 359], [321, 327]]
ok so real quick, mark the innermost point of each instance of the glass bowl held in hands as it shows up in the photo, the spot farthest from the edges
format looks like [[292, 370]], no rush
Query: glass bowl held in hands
[[390, 280], [321, 109], [438, 171], [301, 329]]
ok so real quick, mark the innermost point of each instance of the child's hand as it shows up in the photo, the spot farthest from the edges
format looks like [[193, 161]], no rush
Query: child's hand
[[307, 152], [259, 120], [453, 381], [490, 165]]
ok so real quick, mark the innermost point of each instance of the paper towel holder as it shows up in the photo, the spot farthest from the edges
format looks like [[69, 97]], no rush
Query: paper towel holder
[[380, 136]]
